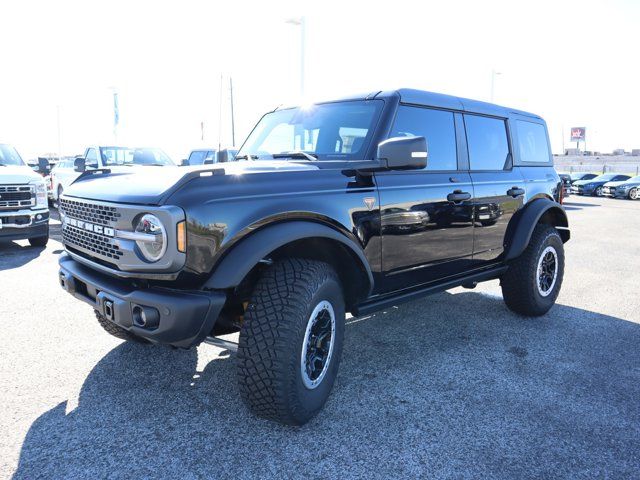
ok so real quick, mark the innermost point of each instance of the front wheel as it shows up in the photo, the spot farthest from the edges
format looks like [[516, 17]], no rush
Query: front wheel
[[634, 194], [291, 341], [532, 283], [599, 192], [39, 241]]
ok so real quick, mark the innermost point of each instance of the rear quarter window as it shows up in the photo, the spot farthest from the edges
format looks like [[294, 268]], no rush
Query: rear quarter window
[[532, 142]]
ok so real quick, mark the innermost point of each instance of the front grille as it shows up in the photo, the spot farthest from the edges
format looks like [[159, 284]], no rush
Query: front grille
[[16, 196], [90, 212], [89, 242], [98, 244]]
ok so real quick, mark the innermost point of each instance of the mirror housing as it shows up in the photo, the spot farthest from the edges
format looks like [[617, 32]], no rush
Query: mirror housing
[[79, 165], [403, 153], [184, 162], [43, 166], [226, 155]]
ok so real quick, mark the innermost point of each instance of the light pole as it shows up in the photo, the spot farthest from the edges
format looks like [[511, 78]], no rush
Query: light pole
[[59, 132], [301, 22], [493, 81]]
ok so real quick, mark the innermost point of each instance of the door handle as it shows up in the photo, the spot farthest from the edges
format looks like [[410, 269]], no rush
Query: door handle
[[515, 191], [458, 196]]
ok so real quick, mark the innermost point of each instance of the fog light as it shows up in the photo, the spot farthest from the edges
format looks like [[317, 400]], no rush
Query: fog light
[[39, 217], [145, 317]]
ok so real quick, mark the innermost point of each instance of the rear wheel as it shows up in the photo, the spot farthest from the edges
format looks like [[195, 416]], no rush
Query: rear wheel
[[532, 283], [291, 341], [116, 330]]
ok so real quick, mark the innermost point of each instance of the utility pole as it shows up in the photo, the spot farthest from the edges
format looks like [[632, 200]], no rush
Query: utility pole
[[59, 133], [233, 123], [302, 23], [493, 81], [220, 116]]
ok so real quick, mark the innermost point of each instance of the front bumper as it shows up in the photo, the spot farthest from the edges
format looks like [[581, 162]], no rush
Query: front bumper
[[21, 224], [185, 317]]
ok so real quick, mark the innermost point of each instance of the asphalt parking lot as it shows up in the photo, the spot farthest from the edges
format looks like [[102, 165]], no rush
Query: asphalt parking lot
[[451, 386]]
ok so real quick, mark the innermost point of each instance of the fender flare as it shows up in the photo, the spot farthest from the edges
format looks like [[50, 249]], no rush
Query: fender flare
[[238, 262], [526, 221]]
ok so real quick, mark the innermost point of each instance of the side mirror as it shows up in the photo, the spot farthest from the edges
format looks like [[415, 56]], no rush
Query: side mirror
[[79, 165], [226, 155], [403, 153], [43, 166], [184, 162]]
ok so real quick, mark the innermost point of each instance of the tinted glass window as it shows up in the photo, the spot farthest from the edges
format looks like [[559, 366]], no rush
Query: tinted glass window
[[329, 131], [9, 156], [437, 127], [532, 142], [197, 158], [487, 142], [92, 158]]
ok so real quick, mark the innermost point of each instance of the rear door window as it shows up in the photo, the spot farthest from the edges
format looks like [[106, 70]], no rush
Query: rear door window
[[532, 142], [437, 126], [487, 143]]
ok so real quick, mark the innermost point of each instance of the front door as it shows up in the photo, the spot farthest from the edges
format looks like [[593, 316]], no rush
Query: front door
[[426, 215]]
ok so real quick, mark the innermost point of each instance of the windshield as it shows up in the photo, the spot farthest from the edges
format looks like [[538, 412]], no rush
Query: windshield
[[634, 179], [603, 178], [9, 156], [329, 131], [112, 156]]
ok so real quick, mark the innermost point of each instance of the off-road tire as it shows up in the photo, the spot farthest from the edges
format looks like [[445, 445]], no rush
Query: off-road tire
[[272, 337], [38, 241], [520, 282], [116, 330]]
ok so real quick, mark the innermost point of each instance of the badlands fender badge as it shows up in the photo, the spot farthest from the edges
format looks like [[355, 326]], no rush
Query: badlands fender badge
[[369, 202]]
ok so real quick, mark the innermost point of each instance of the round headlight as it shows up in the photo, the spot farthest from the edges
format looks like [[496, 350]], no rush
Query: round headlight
[[155, 244]]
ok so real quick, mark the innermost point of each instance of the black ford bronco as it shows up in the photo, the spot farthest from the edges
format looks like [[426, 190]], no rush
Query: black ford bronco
[[351, 205]]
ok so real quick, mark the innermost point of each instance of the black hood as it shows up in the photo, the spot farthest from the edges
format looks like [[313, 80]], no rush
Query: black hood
[[150, 185]]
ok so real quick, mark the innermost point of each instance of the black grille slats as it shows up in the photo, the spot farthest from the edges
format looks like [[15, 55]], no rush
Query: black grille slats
[[16, 196], [89, 212], [93, 242]]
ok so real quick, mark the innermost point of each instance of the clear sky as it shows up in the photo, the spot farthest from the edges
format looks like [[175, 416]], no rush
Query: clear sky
[[573, 62]]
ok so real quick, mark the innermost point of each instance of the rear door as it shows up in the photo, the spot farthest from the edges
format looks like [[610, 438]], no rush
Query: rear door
[[499, 189], [426, 215]]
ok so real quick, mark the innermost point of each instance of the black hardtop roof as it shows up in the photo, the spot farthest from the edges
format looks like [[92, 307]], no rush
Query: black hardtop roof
[[439, 100]]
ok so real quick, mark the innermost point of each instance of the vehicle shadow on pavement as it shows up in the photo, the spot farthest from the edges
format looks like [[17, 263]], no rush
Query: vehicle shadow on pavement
[[453, 385], [14, 255]]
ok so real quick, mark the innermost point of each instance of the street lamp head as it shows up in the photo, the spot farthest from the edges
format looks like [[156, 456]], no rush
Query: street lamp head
[[295, 20]]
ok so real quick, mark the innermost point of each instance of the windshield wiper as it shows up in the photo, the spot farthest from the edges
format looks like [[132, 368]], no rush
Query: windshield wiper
[[312, 157], [247, 157]]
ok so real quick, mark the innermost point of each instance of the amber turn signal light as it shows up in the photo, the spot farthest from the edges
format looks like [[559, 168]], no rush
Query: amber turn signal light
[[181, 235]]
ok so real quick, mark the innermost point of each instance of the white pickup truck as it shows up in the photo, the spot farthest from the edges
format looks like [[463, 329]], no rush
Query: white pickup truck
[[116, 159], [24, 212]]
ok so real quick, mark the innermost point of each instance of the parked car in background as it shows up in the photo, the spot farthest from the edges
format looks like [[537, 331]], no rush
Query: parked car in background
[[629, 189], [566, 183], [594, 186], [582, 176], [24, 213], [209, 156], [610, 187], [121, 159]]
